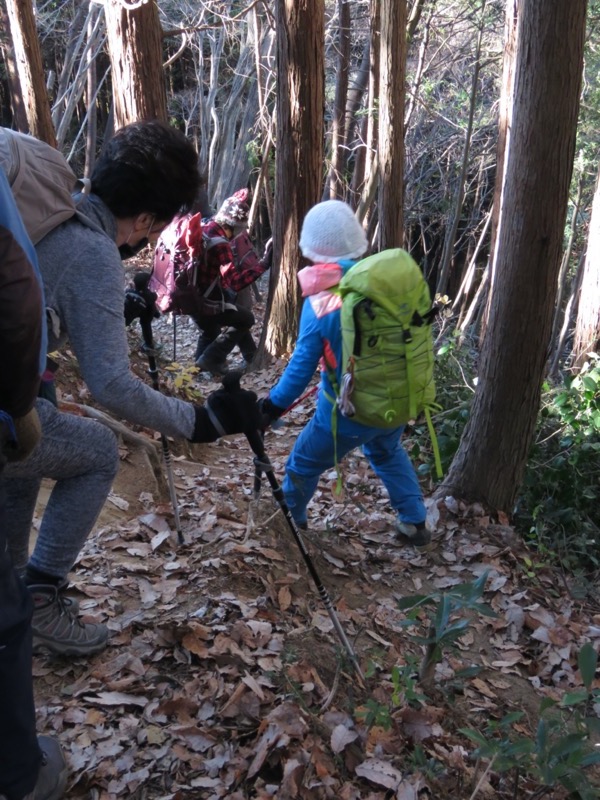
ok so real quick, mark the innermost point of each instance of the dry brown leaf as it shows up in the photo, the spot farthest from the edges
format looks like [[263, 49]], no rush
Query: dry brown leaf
[[421, 724], [191, 642], [117, 699], [271, 554], [284, 598], [341, 737], [380, 772]]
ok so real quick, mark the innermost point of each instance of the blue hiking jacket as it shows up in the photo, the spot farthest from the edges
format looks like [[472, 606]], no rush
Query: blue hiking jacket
[[319, 337]]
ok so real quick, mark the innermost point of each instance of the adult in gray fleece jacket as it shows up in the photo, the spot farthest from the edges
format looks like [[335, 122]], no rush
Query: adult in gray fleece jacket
[[147, 173]]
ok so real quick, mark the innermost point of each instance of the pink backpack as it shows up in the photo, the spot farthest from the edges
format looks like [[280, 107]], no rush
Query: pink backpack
[[179, 252], [178, 255]]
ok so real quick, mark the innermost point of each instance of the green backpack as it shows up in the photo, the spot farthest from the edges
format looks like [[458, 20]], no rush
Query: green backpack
[[387, 343]]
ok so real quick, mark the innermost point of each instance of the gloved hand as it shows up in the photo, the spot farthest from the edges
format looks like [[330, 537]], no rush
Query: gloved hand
[[140, 302], [269, 412], [226, 411], [267, 259], [19, 440]]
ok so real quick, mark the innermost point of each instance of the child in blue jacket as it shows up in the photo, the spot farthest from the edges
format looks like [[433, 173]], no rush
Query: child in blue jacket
[[333, 240]]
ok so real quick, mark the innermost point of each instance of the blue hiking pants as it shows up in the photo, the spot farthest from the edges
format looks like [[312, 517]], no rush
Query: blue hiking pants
[[314, 453]]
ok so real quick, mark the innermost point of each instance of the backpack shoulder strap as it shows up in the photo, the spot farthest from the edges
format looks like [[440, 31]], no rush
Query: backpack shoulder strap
[[41, 180]]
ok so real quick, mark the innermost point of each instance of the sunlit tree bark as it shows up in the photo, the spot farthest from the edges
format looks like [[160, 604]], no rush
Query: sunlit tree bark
[[391, 123], [28, 57], [338, 151], [299, 159], [135, 46], [539, 160]]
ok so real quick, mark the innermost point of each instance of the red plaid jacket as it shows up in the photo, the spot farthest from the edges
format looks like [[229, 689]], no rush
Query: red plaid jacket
[[218, 260]]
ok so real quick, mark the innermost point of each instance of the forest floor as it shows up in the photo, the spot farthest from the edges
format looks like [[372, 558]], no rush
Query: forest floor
[[223, 677]]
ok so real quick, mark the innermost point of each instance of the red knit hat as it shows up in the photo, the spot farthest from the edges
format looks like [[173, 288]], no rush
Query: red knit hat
[[235, 210]]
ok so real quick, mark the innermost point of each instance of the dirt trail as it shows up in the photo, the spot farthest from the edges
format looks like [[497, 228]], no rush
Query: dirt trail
[[223, 678]]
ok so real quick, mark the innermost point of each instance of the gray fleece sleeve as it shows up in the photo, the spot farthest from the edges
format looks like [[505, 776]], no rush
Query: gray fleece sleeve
[[88, 296]]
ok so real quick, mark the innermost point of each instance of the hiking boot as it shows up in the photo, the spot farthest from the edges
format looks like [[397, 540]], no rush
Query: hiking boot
[[70, 602], [52, 777], [247, 365], [56, 628], [209, 365], [417, 534]]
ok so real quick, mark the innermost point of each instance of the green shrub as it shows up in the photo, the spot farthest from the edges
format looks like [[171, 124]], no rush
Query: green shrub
[[558, 505]]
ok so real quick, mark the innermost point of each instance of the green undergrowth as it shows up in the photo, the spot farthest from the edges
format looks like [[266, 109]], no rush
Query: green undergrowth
[[555, 752], [557, 507], [560, 495]]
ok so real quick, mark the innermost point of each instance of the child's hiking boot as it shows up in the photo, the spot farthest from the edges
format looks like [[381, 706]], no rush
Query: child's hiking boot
[[56, 628], [208, 364], [52, 777], [417, 534]]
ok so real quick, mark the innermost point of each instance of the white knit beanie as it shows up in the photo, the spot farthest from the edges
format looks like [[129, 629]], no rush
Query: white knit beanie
[[331, 232]]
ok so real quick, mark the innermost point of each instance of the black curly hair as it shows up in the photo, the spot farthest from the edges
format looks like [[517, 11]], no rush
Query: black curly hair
[[147, 167]]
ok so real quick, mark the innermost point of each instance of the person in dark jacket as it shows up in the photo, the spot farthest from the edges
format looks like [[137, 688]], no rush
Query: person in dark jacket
[[230, 325], [31, 768]]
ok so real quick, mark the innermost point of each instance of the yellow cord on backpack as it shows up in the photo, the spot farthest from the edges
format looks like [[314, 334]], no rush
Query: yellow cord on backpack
[[339, 487], [434, 444]]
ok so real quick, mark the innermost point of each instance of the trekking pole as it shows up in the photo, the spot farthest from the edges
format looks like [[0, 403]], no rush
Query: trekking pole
[[263, 464], [297, 402], [153, 372]]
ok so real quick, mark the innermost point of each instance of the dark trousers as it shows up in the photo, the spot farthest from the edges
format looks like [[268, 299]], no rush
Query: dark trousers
[[220, 333], [20, 756]]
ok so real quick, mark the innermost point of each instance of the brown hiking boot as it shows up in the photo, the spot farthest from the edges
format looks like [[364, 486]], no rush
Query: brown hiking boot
[[52, 777], [56, 628]]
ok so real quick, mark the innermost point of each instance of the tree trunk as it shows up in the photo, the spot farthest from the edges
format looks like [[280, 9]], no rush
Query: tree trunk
[[568, 317], [539, 160], [335, 189], [357, 130], [452, 229], [28, 56], [391, 123], [504, 127], [370, 183], [236, 114], [299, 158], [587, 327], [564, 270], [17, 108], [135, 47], [92, 123]]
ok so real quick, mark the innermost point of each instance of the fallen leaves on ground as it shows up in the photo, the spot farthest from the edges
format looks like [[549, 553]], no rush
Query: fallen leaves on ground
[[224, 677]]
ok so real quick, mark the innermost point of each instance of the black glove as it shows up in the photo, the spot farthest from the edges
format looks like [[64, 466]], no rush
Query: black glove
[[267, 259], [269, 412], [140, 302], [228, 410]]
